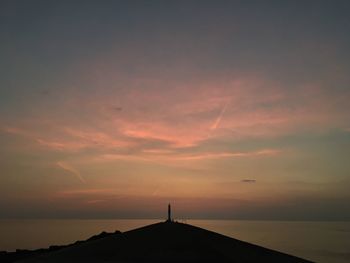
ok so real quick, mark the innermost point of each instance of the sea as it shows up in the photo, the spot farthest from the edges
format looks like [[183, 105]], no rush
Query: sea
[[323, 242]]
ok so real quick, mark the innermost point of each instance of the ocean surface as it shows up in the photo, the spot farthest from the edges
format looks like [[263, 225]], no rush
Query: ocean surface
[[324, 242]]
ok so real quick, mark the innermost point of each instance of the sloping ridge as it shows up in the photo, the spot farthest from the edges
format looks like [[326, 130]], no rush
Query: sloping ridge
[[166, 242]]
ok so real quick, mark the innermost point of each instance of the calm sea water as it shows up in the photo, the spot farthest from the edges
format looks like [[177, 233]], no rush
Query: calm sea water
[[324, 242]]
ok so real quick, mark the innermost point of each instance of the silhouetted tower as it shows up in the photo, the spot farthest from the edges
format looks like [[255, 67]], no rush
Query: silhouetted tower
[[169, 213]]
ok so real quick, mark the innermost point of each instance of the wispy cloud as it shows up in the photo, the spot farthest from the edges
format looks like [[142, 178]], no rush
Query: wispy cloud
[[89, 191], [218, 119], [14, 130], [96, 201], [65, 166], [173, 157], [229, 110], [220, 155], [250, 181], [61, 145]]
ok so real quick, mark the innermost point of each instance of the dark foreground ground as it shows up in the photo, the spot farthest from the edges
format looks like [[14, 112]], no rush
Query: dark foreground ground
[[161, 242]]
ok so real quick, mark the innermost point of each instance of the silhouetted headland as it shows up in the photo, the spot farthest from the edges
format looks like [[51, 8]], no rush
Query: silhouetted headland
[[161, 242]]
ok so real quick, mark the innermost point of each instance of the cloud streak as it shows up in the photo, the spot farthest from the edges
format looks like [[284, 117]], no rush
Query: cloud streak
[[218, 119], [71, 170], [148, 122], [249, 181], [176, 157]]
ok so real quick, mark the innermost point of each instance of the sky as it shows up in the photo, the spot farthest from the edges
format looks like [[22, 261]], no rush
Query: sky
[[226, 109]]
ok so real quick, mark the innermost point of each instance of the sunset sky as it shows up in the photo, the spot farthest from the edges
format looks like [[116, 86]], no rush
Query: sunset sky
[[226, 109]]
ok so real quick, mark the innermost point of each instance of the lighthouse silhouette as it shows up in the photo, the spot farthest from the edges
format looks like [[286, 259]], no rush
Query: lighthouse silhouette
[[169, 213]]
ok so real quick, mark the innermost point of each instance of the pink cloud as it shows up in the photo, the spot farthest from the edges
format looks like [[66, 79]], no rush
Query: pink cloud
[[174, 157], [96, 138], [62, 145], [183, 115]]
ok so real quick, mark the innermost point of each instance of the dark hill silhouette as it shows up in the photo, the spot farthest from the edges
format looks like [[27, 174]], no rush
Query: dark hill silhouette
[[164, 242], [20, 254]]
